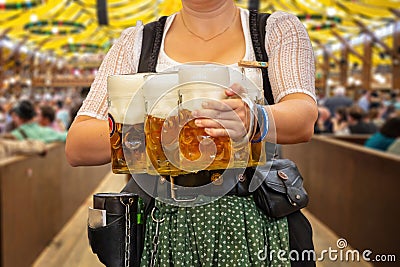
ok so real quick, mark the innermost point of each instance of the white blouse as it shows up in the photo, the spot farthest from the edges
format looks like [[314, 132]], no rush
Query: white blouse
[[291, 60]]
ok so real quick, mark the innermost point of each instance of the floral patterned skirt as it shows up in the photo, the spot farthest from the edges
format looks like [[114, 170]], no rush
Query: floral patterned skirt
[[230, 231]]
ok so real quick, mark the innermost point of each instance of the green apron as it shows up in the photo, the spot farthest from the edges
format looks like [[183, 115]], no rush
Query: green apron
[[230, 231]]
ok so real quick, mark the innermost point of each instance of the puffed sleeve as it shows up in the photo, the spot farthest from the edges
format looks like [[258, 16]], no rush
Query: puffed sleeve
[[291, 57], [122, 58]]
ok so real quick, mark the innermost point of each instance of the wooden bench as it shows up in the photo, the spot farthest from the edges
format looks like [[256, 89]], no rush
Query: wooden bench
[[38, 195], [358, 139], [354, 190]]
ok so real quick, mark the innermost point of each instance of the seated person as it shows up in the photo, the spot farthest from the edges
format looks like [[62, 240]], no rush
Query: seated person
[[339, 121], [357, 123], [47, 118], [386, 135], [23, 116]]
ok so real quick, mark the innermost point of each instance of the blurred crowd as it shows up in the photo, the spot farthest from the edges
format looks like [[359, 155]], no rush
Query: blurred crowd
[[30, 121], [373, 113]]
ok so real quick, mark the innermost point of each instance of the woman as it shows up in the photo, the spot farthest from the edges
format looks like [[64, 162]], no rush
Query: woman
[[339, 121], [230, 231]]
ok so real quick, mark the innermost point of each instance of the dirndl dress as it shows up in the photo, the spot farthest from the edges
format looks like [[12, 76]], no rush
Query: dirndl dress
[[230, 231]]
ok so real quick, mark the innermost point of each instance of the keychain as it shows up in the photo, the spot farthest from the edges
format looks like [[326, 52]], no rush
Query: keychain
[[156, 240]]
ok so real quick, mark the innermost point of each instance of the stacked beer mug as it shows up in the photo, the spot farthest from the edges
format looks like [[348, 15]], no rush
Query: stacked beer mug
[[174, 144], [126, 125], [152, 129]]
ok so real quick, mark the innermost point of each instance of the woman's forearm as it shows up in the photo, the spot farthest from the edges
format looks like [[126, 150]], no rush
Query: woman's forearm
[[88, 142], [292, 119]]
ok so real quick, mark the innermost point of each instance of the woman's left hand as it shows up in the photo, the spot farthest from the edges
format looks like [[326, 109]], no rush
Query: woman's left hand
[[227, 117]]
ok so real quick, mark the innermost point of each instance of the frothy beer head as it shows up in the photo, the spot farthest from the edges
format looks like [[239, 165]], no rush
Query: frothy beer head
[[156, 88], [205, 73], [124, 93]]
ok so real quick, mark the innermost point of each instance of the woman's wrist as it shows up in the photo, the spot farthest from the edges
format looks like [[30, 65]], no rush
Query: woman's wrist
[[262, 125], [250, 131]]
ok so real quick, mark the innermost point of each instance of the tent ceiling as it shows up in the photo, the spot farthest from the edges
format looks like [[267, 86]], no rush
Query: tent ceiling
[[70, 28]]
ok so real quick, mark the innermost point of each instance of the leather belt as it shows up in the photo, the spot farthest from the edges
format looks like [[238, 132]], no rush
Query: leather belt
[[213, 183]]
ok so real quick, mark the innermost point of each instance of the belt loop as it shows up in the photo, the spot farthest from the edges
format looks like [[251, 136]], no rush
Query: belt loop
[[173, 192], [171, 180]]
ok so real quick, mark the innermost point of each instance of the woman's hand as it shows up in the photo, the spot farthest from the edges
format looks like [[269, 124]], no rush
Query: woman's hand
[[227, 117]]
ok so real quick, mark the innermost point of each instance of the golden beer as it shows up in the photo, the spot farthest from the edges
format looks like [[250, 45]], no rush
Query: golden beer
[[257, 155], [155, 153], [177, 146], [199, 150], [127, 148]]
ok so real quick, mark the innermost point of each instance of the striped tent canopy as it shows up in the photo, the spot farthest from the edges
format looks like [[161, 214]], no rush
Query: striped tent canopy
[[76, 29]]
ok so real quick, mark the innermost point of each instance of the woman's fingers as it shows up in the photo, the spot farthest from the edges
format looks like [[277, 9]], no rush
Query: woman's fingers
[[225, 128], [227, 117], [213, 123], [222, 109], [216, 114], [223, 105], [235, 90], [222, 122], [234, 134]]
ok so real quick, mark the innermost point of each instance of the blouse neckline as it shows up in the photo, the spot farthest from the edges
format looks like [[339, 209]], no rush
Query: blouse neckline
[[246, 33]]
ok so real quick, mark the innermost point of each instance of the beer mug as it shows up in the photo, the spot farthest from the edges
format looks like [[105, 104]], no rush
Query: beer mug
[[230, 153], [126, 123], [155, 88], [198, 150], [174, 144], [254, 93]]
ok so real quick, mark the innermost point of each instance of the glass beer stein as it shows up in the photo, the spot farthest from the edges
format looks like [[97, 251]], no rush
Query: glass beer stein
[[198, 150], [126, 123], [155, 88], [240, 152], [254, 93], [174, 144]]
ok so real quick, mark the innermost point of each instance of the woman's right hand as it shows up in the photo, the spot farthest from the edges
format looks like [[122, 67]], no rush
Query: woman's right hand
[[227, 117]]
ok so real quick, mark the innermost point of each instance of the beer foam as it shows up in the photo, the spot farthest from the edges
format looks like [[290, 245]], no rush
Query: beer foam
[[206, 73], [158, 84], [136, 110], [157, 93], [126, 97], [125, 84], [193, 94], [253, 89], [165, 105], [118, 108]]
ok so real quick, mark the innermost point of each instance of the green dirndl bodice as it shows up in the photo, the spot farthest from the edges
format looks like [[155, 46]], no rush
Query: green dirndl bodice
[[230, 231]]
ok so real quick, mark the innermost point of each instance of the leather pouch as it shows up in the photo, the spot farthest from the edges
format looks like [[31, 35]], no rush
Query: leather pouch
[[117, 243], [280, 191]]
